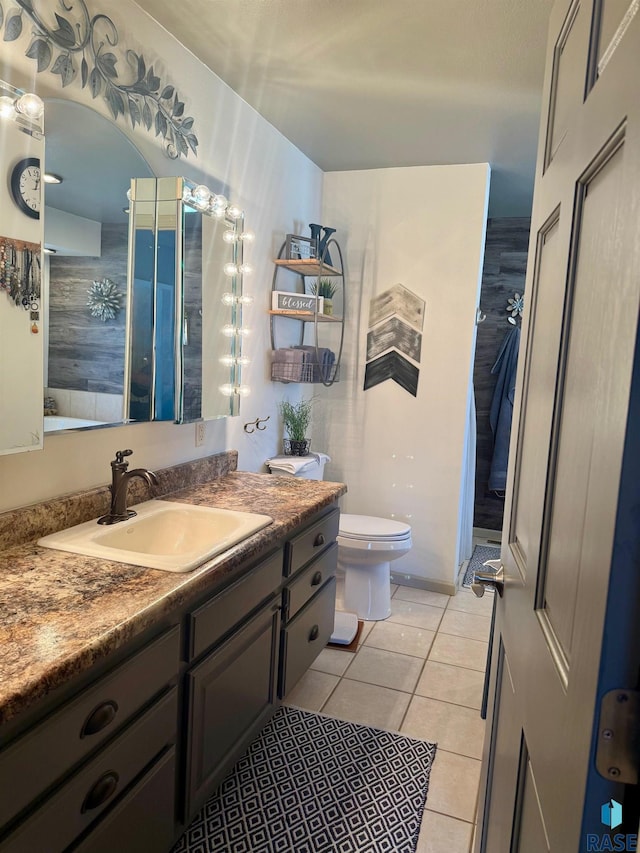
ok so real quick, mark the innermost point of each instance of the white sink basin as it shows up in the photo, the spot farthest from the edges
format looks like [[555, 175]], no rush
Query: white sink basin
[[174, 537]]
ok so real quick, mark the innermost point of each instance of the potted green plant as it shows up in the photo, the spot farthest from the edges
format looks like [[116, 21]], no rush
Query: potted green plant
[[326, 288], [296, 418]]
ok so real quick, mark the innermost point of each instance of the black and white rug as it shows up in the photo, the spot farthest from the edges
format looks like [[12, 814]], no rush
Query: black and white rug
[[481, 553], [314, 784]]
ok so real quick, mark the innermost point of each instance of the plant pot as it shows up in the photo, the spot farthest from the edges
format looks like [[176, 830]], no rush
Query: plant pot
[[327, 306], [296, 448]]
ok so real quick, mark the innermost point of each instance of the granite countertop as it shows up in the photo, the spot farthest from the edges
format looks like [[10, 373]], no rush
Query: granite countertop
[[63, 612]]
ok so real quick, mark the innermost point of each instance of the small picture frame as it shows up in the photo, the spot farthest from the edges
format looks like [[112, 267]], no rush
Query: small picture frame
[[299, 248]]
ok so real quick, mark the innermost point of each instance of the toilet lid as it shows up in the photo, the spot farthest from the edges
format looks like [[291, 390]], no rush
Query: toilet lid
[[370, 527]]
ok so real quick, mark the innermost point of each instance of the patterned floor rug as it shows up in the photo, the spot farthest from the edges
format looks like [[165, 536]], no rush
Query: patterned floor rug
[[313, 784], [481, 553]]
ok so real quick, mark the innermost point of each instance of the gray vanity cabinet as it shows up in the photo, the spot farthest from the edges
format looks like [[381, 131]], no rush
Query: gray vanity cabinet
[[309, 598], [124, 761], [100, 750]]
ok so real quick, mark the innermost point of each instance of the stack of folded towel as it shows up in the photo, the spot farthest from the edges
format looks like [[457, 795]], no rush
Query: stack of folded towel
[[295, 465], [322, 359]]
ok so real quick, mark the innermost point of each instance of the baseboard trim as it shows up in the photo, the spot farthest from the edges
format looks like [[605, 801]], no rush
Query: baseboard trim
[[423, 583]]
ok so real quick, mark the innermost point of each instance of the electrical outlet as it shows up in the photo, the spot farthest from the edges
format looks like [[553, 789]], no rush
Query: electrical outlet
[[201, 433]]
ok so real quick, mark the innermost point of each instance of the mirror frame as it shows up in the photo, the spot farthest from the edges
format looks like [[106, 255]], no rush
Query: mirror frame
[[170, 199]]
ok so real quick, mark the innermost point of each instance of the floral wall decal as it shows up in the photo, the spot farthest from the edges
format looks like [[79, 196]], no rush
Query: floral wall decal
[[76, 44]]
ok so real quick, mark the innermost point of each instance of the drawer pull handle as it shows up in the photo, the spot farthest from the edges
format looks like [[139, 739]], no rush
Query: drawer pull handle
[[103, 789], [313, 633], [316, 580], [99, 718], [319, 540]]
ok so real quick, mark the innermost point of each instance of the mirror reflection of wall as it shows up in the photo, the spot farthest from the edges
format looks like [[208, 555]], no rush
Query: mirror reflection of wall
[[86, 224], [21, 344]]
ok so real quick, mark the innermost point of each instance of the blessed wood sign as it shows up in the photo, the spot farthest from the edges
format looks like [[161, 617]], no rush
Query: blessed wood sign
[[283, 301]]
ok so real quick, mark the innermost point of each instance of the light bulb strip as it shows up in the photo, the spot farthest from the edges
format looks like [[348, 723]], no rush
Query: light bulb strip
[[25, 108]]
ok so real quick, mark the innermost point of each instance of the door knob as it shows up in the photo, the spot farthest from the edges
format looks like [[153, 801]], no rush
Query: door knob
[[490, 575]]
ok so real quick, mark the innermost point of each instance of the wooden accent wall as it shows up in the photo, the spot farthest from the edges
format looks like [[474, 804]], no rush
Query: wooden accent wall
[[505, 264], [86, 354]]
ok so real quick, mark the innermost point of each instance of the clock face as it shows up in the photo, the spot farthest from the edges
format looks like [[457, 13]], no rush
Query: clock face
[[26, 186]]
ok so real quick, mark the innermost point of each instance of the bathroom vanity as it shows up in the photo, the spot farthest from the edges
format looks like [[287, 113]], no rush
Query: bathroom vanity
[[128, 693]]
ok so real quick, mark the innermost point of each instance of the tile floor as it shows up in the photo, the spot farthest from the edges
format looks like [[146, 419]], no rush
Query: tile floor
[[420, 672]]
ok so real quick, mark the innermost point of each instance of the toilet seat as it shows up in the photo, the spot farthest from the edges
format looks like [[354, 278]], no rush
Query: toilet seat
[[372, 529]]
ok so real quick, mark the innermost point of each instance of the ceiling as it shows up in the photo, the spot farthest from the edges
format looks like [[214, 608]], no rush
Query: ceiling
[[364, 84]]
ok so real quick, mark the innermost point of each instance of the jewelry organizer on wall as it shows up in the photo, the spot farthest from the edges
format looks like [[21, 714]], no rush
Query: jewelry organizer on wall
[[21, 275]]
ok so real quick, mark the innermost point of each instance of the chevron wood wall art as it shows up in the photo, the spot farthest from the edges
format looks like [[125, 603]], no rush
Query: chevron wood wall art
[[400, 302], [392, 365], [394, 333], [394, 339]]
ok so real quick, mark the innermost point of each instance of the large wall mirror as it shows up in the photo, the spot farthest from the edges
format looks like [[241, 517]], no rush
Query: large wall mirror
[[153, 349], [86, 232]]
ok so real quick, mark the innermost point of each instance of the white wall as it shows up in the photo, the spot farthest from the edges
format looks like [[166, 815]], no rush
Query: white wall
[[280, 191], [402, 456]]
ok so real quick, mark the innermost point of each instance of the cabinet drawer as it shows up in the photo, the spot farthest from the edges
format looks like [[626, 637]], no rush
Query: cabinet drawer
[[217, 617], [309, 580], [306, 636], [95, 787], [144, 819], [311, 542], [70, 734]]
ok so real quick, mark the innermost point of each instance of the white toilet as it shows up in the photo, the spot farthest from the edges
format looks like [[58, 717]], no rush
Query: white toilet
[[366, 545]]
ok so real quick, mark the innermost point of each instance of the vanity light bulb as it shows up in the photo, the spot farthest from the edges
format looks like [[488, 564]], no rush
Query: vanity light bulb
[[201, 195], [227, 390], [244, 332], [187, 193], [227, 360], [243, 390], [234, 212], [7, 107], [229, 330], [247, 236], [245, 269], [30, 105], [228, 299], [243, 360], [230, 269], [229, 237], [245, 299], [219, 201]]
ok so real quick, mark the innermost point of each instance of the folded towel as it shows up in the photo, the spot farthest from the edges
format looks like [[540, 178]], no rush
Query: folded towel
[[297, 464], [322, 358], [289, 355], [290, 365]]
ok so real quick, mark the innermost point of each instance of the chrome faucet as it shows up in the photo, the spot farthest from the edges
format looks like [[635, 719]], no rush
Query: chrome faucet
[[119, 483]]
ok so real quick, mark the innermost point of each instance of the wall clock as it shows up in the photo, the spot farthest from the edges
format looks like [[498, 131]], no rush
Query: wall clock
[[26, 186]]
